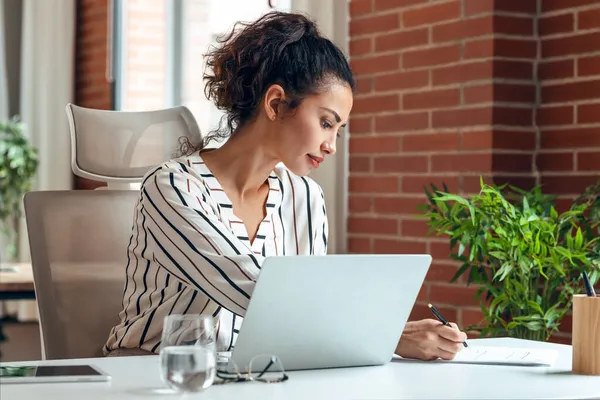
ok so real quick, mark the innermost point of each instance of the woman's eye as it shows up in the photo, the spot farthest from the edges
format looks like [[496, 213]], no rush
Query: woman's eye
[[325, 124]]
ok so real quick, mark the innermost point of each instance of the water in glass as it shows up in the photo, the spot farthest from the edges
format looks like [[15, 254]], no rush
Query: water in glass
[[188, 368], [188, 352]]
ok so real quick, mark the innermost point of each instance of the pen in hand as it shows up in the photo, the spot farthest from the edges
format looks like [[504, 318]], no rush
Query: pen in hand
[[589, 289], [442, 319]]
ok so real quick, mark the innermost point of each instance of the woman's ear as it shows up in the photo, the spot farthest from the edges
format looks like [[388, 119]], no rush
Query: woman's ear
[[274, 101]]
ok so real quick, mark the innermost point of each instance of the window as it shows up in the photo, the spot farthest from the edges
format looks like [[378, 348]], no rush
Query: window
[[159, 46]]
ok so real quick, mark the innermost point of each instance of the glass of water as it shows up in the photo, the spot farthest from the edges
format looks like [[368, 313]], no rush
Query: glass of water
[[188, 352]]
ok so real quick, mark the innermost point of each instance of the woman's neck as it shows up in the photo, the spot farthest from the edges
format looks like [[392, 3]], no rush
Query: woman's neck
[[244, 162]]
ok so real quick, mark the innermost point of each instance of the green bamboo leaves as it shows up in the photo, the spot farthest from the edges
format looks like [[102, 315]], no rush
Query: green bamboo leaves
[[525, 256]]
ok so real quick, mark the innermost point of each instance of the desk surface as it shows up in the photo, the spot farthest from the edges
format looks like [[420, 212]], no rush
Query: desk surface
[[138, 377], [19, 281]]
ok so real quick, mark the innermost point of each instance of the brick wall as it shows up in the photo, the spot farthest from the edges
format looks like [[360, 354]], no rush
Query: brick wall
[[451, 90], [92, 89]]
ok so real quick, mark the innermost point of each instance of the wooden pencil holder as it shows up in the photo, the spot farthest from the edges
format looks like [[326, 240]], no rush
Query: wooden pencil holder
[[586, 335]]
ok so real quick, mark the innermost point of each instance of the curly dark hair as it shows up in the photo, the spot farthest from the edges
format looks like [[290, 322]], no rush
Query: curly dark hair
[[278, 48]]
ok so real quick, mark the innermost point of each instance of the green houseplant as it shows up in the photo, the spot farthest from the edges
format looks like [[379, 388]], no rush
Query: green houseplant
[[18, 165], [525, 256]]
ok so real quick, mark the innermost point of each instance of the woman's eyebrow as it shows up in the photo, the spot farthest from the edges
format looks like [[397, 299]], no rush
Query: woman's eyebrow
[[335, 114]]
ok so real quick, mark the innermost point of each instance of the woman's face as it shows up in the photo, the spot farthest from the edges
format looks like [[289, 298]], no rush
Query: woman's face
[[308, 134]]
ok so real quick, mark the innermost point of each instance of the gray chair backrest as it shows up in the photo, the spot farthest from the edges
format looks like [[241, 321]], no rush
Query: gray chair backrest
[[78, 242]]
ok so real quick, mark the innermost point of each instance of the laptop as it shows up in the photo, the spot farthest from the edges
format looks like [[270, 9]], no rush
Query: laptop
[[329, 311]]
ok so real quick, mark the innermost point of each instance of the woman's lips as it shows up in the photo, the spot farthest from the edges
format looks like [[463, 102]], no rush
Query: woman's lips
[[315, 161]]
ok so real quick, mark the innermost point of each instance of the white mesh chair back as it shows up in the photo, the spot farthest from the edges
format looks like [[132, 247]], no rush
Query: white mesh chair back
[[78, 242], [119, 147]]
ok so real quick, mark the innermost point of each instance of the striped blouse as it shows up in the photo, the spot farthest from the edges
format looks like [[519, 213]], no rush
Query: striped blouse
[[190, 254]]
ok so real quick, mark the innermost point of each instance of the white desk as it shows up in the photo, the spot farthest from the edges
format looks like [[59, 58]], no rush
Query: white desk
[[136, 377]]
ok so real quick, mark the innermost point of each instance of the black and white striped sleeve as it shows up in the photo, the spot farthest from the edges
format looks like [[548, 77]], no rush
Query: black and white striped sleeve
[[192, 243], [321, 228]]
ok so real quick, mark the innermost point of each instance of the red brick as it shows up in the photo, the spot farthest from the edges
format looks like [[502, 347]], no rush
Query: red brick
[[470, 317], [418, 183], [441, 272], [359, 164], [381, 5], [555, 5], [464, 72], [501, 92], [431, 142], [360, 204], [501, 47], [462, 117], [364, 85], [382, 23], [453, 294], [587, 66], [461, 162], [411, 227], [571, 91], [473, 7], [570, 138], [401, 164], [477, 140], [465, 28], [556, 24], [398, 205], [402, 80], [389, 246], [513, 69], [560, 115], [440, 250], [519, 26], [372, 225], [507, 162], [514, 140], [589, 161], [589, 19], [402, 40], [513, 116], [373, 184], [577, 44], [517, 6], [360, 7], [360, 125], [472, 184], [588, 113], [384, 144], [373, 104], [371, 65], [432, 56], [402, 122], [431, 99], [556, 69], [431, 14], [571, 184], [481, 48], [555, 162], [359, 245], [361, 46]]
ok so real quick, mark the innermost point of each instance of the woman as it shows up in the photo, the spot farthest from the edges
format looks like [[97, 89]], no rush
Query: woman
[[205, 222]]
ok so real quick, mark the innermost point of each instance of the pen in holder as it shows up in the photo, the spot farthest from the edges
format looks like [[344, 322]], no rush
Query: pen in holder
[[586, 334]]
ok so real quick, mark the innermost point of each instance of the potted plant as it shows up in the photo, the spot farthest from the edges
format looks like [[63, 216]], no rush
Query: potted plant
[[18, 165], [526, 257]]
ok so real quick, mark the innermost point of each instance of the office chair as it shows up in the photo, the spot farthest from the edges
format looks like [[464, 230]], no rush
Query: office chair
[[79, 238]]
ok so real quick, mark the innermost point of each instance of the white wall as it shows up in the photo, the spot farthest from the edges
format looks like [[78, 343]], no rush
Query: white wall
[[332, 18]]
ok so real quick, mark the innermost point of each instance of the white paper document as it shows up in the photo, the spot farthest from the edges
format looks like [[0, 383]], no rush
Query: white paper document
[[505, 355]]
